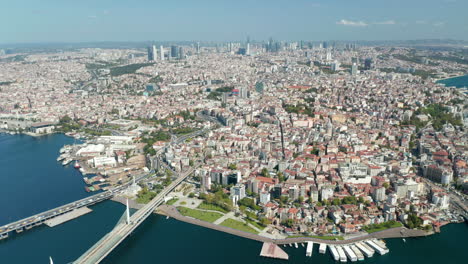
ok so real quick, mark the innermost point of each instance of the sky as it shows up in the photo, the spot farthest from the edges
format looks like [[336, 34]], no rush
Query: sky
[[34, 21]]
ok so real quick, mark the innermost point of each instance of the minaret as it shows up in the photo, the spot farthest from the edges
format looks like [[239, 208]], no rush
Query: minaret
[[127, 211]]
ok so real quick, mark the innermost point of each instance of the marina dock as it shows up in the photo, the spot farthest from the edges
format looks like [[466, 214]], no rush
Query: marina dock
[[68, 216], [271, 250]]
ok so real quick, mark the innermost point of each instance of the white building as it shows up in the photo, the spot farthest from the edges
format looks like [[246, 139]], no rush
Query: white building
[[264, 197]]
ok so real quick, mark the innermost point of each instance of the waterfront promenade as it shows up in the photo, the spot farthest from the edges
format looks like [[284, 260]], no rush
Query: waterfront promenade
[[398, 232]]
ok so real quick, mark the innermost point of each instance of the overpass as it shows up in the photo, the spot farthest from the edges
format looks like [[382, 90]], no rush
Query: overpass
[[124, 228]]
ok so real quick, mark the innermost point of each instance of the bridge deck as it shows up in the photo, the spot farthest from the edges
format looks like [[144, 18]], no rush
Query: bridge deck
[[104, 246]]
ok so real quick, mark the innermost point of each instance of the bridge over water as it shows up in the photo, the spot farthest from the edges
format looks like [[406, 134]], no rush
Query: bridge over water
[[126, 225]]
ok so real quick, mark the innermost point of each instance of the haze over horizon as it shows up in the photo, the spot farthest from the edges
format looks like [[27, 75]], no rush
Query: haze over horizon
[[27, 21]]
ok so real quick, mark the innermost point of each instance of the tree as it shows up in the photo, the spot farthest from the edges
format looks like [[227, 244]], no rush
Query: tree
[[288, 223], [265, 221], [65, 119], [301, 199], [265, 172], [232, 166], [281, 177], [413, 221], [386, 185], [361, 200], [336, 201], [315, 151]]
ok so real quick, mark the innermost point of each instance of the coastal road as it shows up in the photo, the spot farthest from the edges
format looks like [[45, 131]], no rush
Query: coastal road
[[397, 232]]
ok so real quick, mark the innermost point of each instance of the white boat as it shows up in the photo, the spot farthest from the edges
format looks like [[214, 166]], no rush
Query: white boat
[[310, 247], [342, 254], [377, 248], [358, 253], [66, 161], [51, 261], [404, 240], [368, 252], [350, 253], [334, 252], [295, 245], [322, 248]]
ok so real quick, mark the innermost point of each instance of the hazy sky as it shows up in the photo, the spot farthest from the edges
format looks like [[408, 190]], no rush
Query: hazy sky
[[220, 20]]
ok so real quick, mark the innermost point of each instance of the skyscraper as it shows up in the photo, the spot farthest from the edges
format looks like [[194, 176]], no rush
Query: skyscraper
[[161, 50], [181, 53], [354, 69], [325, 45], [368, 64], [152, 53], [198, 48], [174, 51]]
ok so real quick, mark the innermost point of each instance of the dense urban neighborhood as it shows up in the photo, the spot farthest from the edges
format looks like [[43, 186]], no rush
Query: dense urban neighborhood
[[299, 139]]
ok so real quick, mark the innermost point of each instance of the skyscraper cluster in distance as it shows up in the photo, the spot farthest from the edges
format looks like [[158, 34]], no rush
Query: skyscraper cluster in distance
[[174, 52]]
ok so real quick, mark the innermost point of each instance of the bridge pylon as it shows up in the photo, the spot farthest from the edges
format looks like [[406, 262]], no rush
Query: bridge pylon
[[127, 212]]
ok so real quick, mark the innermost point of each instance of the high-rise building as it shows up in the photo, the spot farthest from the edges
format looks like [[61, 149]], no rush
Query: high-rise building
[[174, 51], [335, 66], [161, 52], [247, 49], [152, 53], [328, 56], [198, 48], [325, 45], [354, 69], [368, 64], [181, 53]]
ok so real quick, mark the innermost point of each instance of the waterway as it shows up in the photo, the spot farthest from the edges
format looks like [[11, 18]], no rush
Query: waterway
[[459, 82], [33, 181]]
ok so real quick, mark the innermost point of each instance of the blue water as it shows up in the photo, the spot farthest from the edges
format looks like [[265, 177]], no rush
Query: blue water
[[157, 240], [458, 82], [31, 178]]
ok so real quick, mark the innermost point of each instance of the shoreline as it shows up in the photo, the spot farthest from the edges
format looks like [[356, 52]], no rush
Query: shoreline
[[397, 232], [448, 78]]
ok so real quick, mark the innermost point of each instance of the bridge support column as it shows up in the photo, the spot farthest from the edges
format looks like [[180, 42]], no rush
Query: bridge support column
[[127, 212]]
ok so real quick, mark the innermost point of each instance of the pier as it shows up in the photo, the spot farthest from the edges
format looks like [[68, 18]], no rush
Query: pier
[[271, 250], [39, 219], [68, 216]]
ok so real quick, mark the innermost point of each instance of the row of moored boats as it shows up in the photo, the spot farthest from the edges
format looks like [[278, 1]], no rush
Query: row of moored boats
[[353, 251]]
